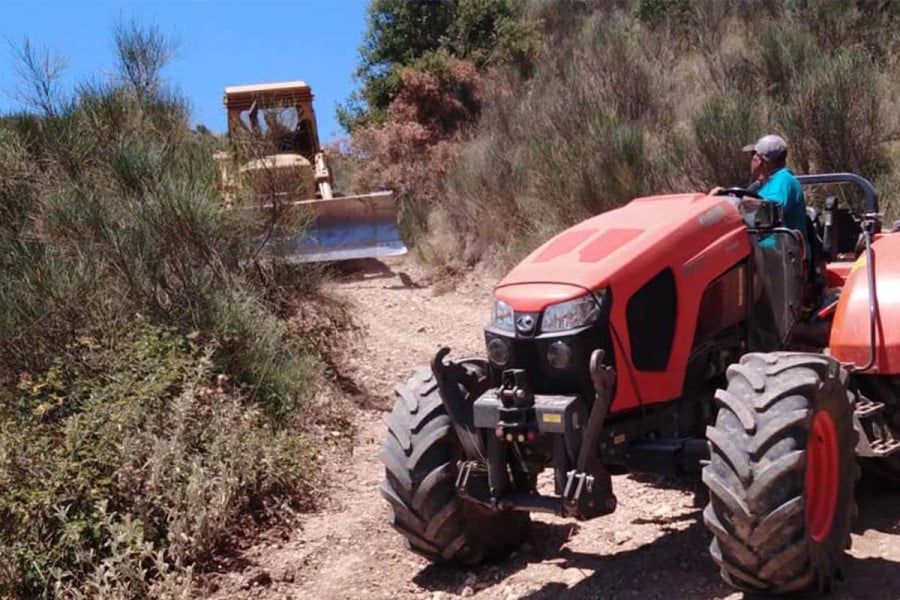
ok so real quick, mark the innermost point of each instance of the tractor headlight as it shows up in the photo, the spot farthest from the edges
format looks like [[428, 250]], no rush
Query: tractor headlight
[[498, 352], [559, 355], [503, 317], [571, 314]]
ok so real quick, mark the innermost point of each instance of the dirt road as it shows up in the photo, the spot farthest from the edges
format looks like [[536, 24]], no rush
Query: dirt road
[[654, 546]]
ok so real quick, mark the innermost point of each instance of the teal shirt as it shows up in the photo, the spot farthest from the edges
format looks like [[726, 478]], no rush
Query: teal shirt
[[782, 187]]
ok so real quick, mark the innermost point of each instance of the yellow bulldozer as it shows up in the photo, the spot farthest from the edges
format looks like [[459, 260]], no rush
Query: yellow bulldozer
[[276, 164]]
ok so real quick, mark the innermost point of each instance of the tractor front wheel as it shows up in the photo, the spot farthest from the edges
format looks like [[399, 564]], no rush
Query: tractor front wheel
[[420, 456], [782, 473]]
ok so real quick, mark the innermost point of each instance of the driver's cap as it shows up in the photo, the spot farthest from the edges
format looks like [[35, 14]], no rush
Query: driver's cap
[[770, 147]]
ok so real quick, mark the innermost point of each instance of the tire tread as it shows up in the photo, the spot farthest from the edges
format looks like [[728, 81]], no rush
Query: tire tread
[[420, 454], [756, 473]]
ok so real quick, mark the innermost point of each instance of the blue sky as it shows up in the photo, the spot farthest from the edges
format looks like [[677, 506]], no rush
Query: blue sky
[[220, 44]]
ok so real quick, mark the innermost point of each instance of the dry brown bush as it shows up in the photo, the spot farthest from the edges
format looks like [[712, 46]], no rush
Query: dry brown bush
[[412, 154], [647, 97]]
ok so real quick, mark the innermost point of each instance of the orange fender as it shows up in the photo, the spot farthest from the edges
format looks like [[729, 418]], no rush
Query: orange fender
[[850, 333]]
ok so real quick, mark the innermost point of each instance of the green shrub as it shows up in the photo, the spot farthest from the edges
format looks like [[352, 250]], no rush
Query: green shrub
[[127, 289], [569, 143], [120, 453], [645, 97], [835, 115], [113, 205], [723, 125], [785, 51]]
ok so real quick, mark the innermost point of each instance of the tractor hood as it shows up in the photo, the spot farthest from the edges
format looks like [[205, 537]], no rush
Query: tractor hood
[[642, 237]]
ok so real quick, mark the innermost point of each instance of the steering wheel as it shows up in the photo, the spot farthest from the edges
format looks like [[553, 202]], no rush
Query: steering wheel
[[748, 203], [739, 192]]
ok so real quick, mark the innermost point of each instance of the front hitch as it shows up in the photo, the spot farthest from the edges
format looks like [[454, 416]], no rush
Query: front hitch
[[452, 378], [590, 475], [517, 417]]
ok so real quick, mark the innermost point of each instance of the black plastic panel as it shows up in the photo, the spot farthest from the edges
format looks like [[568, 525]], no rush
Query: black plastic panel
[[651, 315]]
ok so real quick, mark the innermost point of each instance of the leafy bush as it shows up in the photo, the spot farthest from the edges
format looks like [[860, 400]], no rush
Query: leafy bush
[[722, 126], [402, 34], [118, 454], [149, 391], [836, 112], [412, 153], [114, 205]]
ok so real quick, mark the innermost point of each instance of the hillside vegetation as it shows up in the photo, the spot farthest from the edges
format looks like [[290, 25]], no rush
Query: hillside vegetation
[[605, 101], [149, 392], [155, 396]]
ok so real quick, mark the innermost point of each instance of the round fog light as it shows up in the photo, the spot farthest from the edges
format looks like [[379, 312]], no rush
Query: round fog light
[[559, 355], [498, 352]]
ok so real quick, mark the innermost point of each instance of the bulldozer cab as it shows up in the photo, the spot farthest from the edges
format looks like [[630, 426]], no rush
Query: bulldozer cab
[[280, 116], [275, 151]]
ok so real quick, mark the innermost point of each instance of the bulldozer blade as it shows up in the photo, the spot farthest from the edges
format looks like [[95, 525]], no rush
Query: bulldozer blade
[[345, 228]]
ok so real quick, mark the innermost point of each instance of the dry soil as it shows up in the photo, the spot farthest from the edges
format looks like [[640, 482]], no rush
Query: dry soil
[[653, 546]]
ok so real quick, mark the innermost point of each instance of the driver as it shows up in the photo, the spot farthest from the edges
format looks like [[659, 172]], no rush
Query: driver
[[777, 182]]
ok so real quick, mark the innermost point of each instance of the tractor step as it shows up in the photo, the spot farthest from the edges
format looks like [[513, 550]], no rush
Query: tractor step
[[866, 408], [877, 438], [884, 447]]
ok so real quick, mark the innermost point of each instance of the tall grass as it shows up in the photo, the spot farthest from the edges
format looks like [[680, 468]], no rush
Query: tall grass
[[836, 111], [633, 98], [722, 123], [149, 393], [114, 205], [571, 142]]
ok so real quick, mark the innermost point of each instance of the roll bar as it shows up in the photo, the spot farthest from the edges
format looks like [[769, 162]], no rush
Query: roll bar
[[862, 183]]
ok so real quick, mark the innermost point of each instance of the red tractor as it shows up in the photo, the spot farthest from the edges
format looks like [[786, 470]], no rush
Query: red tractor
[[686, 333]]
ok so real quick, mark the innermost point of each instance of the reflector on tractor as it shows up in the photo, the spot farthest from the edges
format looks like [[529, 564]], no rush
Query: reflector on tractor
[[276, 156]]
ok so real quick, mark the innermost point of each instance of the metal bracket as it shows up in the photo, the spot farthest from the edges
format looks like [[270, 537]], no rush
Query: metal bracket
[[577, 482], [876, 436], [450, 376], [514, 389], [588, 487], [464, 469]]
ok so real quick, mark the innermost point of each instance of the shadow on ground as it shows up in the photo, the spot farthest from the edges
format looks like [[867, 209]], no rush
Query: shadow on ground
[[546, 542], [359, 269], [677, 564]]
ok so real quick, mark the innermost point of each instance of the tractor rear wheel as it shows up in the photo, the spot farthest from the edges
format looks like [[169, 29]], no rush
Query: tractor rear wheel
[[782, 473], [420, 456]]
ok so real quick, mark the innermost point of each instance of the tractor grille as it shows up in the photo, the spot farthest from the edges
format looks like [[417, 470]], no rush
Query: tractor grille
[[530, 354]]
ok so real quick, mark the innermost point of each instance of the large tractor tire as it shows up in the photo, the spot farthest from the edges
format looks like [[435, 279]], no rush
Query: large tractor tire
[[782, 473], [420, 456]]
